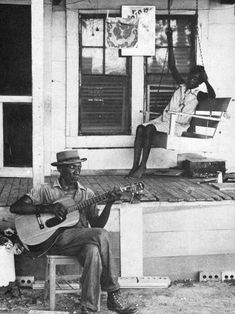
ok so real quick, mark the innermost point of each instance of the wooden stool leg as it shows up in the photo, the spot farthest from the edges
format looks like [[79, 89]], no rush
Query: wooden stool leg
[[46, 287], [99, 301], [52, 284]]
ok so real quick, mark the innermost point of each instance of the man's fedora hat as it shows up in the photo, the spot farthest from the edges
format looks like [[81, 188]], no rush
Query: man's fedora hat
[[68, 157]]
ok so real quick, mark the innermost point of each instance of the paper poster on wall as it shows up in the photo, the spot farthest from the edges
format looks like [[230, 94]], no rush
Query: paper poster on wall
[[145, 45]]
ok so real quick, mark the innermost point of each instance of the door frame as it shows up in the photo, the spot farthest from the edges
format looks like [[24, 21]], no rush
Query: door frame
[[37, 98]]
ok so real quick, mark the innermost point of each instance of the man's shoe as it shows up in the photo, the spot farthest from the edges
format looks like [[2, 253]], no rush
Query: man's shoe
[[116, 304]]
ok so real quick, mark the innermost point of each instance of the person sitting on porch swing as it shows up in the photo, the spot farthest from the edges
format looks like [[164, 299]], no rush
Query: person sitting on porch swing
[[184, 99]]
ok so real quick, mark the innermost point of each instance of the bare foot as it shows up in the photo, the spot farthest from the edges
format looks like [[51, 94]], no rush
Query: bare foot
[[130, 174], [139, 172]]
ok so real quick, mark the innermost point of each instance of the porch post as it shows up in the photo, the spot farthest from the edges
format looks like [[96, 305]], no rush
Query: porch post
[[37, 13]]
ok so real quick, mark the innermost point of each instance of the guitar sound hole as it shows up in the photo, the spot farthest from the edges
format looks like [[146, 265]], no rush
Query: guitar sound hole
[[53, 222]]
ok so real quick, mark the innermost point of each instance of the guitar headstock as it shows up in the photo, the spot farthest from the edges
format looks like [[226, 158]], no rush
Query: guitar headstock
[[133, 188]]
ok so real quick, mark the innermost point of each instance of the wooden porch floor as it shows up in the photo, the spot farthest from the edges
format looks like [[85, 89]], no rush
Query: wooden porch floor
[[157, 188]]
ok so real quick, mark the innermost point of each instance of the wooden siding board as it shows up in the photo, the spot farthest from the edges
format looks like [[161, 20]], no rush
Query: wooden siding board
[[192, 190], [2, 183], [188, 197], [13, 196], [162, 192], [217, 194], [95, 185], [150, 193], [29, 184], [6, 218], [185, 218], [116, 181], [176, 188], [131, 228], [185, 243], [232, 194], [22, 187], [6, 191], [105, 183], [200, 191]]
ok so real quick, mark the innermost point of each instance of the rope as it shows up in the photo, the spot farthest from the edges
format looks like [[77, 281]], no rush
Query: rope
[[197, 34], [199, 45], [169, 14], [163, 68], [202, 61]]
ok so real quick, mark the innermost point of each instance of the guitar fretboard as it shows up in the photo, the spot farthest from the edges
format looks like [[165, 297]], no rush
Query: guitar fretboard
[[131, 188], [88, 202]]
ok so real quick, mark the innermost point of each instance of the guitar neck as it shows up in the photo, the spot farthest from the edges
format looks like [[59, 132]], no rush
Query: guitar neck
[[131, 188], [88, 202]]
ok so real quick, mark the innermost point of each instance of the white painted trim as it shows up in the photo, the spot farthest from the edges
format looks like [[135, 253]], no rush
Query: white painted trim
[[100, 141], [20, 2], [14, 172], [131, 240], [137, 97], [72, 78], [176, 12], [118, 11], [158, 206], [16, 99], [1, 136], [94, 11], [37, 31], [47, 87]]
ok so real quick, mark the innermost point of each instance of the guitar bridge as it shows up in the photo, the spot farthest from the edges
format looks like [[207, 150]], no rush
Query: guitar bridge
[[41, 225]]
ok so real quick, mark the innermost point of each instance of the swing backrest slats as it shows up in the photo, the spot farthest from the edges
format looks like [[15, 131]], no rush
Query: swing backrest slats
[[211, 108]]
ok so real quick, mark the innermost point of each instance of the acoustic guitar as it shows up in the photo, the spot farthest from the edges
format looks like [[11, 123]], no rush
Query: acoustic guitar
[[35, 229]]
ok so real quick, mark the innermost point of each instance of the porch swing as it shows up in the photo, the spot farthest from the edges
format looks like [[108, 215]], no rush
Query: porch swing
[[206, 121]]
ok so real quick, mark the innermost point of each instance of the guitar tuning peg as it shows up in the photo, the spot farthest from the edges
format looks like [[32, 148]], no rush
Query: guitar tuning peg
[[132, 197]]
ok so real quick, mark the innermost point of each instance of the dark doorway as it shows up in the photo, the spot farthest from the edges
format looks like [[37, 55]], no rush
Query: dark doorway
[[16, 79], [15, 52], [17, 130]]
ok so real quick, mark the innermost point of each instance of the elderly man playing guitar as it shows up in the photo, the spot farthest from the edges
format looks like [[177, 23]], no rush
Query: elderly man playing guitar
[[58, 230]]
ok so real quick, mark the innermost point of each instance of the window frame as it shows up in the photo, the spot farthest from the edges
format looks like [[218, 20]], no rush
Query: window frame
[[125, 78]]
